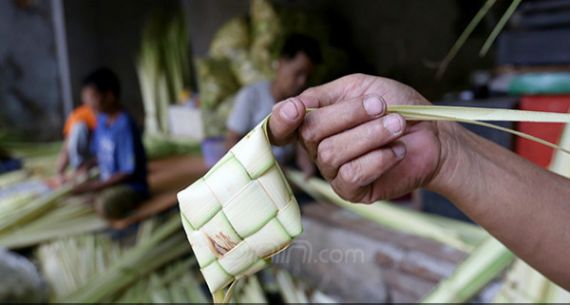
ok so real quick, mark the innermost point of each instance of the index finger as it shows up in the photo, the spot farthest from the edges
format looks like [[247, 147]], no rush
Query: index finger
[[333, 119], [344, 88]]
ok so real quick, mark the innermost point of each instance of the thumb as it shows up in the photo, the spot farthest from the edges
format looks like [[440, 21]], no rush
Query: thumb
[[285, 118]]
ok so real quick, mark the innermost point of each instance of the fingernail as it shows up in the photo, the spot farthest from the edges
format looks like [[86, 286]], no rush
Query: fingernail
[[393, 124], [399, 151], [289, 111], [373, 105]]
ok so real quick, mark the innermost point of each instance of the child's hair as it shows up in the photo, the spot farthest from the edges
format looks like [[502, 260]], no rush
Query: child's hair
[[296, 43], [103, 80]]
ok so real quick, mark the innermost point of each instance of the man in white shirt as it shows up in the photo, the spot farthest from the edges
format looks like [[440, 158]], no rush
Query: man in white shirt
[[299, 56]]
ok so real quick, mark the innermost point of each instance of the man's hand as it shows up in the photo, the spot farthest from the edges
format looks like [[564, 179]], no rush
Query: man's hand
[[365, 153], [97, 185], [86, 187], [368, 155], [56, 181]]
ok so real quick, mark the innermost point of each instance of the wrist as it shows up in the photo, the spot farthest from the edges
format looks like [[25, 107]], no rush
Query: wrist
[[454, 161]]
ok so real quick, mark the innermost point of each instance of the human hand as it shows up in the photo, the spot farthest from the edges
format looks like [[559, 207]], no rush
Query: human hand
[[365, 154], [85, 187], [56, 181]]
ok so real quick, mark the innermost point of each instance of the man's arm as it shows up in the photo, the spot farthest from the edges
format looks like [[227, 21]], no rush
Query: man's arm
[[367, 155], [525, 207], [94, 186]]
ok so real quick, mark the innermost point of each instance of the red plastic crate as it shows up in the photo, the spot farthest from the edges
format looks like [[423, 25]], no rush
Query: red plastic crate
[[535, 152]]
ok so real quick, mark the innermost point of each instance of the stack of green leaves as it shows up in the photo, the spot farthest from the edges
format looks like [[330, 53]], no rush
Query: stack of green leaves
[[67, 218], [95, 268], [163, 67], [158, 147], [267, 31]]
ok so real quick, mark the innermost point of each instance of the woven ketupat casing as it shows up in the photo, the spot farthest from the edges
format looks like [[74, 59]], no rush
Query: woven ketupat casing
[[240, 213]]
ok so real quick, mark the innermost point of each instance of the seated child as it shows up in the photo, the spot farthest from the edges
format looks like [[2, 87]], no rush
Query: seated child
[[77, 132]]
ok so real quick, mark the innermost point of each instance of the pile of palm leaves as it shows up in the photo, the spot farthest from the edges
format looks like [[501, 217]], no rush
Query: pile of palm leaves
[[95, 268], [30, 212], [155, 267], [159, 147], [33, 214], [163, 67], [45, 219]]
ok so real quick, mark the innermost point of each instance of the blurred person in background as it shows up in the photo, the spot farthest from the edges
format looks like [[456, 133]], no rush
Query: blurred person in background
[[298, 58], [117, 149], [77, 132]]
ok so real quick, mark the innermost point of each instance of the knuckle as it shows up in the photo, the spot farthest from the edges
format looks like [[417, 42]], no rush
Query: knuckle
[[351, 197], [346, 194], [309, 92], [374, 194], [350, 174], [309, 134], [326, 153], [349, 192]]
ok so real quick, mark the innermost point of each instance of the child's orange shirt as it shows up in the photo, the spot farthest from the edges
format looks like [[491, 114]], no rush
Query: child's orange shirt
[[82, 113]]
